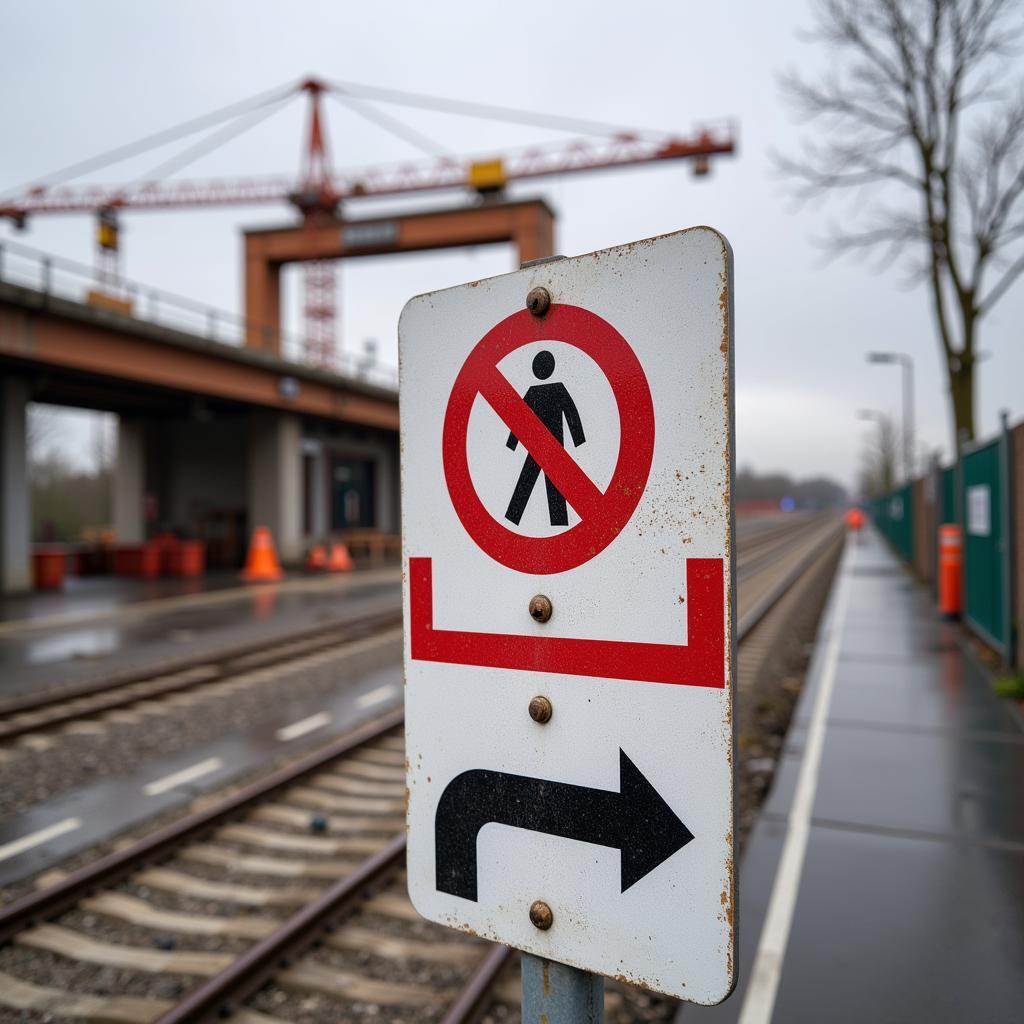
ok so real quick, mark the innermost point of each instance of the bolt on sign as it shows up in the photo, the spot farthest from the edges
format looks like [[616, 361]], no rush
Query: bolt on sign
[[567, 441]]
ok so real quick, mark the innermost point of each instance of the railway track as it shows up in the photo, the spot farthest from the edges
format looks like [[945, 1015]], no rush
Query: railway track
[[285, 901], [40, 712]]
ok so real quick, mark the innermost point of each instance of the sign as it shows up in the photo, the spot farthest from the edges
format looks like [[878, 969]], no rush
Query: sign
[[979, 510], [569, 617], [369, 234]]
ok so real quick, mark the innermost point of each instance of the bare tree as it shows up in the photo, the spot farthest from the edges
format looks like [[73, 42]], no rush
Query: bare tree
[[920, 113], [43, 432], [878, 459]]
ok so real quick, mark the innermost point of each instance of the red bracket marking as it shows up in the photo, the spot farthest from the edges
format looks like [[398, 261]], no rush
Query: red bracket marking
[[700, 662]]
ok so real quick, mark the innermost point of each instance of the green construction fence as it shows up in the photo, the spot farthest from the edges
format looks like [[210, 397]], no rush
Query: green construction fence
[[975, 493], [893, 514]]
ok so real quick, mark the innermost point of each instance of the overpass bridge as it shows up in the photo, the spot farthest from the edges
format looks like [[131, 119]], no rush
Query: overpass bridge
[[214, 436]]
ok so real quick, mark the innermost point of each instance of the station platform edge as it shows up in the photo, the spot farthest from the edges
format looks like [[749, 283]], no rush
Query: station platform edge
[[884, 879]]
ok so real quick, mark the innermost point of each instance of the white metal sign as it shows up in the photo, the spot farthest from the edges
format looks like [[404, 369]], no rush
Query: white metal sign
[[979, 510], [566, 466]]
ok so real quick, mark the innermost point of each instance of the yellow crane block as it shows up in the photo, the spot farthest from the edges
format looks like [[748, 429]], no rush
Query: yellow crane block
[[487, 175]]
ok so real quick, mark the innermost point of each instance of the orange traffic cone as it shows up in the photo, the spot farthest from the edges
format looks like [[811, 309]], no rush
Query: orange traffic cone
[[262, 563], [340, 560], [317, 557]]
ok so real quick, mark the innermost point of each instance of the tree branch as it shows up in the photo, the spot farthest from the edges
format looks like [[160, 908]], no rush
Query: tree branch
[[999, 289]]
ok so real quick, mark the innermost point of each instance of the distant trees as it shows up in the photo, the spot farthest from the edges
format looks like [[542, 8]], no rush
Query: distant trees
[[877, 474], [817, 492], [920, 113], [66, 498]]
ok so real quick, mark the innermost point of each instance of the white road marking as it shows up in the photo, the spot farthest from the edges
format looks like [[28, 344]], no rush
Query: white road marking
[[300, 728], [367, 700], [44, 835], [211, 764], [759, 1000]]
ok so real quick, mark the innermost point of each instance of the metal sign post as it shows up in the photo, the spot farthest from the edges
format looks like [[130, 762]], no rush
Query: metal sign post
[[569, 641], [556, 994]]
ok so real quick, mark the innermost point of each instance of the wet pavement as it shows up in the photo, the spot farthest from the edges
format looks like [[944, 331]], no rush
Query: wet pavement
[[101, 628], [91, 595], [884, 880]]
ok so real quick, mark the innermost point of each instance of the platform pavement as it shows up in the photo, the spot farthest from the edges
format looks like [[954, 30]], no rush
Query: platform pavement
[[96, 632], [884, 879]]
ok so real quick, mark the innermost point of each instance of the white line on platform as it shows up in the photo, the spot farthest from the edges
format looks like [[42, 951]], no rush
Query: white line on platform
[[367, 700], [759, 1000], [197, 771], [44, 835], [300, 728]]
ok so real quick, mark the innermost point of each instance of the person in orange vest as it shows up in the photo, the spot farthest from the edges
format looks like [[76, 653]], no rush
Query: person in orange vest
[[854, 520]]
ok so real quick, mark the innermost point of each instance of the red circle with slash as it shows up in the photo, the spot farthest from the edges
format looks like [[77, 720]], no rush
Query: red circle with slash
[[602, 514]]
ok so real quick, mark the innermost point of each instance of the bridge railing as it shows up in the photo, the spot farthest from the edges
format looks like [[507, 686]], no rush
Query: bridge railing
[[68, 279]]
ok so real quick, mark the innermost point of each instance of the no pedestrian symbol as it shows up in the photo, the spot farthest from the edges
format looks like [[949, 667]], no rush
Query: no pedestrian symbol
[[602, 514]]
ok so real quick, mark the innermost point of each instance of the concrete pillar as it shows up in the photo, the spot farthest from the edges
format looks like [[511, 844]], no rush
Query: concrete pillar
[[318, 496], [387, 489], [275, 480], [15, 536], [130, 482]]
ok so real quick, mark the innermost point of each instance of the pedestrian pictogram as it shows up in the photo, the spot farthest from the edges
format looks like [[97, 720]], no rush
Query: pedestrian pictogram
[[552, 404], [602, 513], [568, 577]]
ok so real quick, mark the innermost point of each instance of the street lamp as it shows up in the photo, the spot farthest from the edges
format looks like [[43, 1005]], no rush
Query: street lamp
[[908, 404]]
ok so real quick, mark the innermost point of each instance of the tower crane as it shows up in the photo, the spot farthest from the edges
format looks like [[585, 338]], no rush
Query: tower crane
[[319, 191]]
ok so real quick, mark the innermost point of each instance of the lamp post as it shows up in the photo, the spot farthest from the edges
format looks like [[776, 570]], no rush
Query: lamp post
[[908, 404]]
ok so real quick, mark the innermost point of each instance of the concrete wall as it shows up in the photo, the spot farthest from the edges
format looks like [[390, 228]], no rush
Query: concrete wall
[[15, 537], [198, 469], [364, 444], [218, 475]]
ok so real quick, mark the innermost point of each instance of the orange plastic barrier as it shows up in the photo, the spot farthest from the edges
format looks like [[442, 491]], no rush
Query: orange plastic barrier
[[48, 567], [317, 557], [950, 569], [340, 560], [186, 558], [166, 544], [137, 560], [854, 518], [262, 563]]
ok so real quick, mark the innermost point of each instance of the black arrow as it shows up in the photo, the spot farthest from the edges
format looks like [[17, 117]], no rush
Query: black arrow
[[636, 821]]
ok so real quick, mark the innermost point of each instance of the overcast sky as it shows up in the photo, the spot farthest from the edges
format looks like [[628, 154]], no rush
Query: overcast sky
[[78, 79]]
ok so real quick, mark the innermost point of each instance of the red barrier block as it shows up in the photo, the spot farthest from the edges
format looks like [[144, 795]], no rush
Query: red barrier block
[[137, 560], [48, 567]]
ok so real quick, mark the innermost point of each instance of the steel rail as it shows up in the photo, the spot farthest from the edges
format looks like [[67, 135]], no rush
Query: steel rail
[[54, 899], [219, 995], [768, 601], [751, 540], [110, 695], [752, 557], [472, 1001], [215, 998]]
